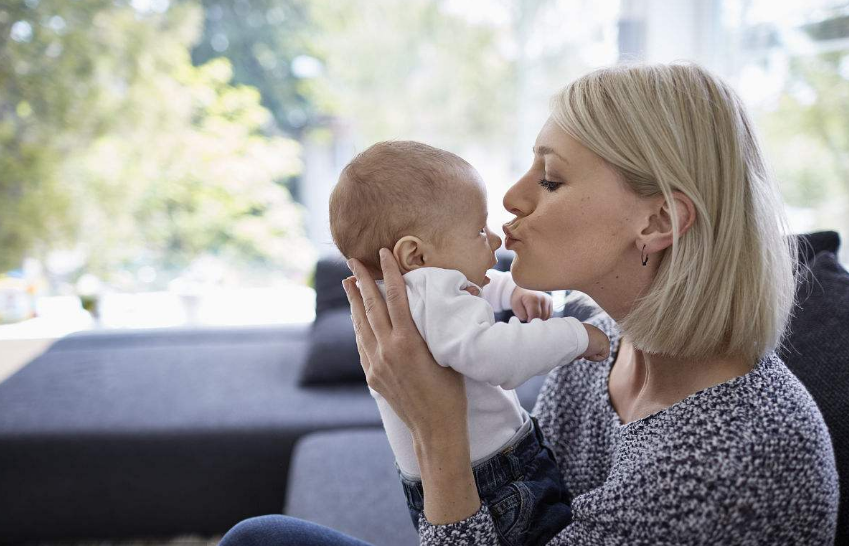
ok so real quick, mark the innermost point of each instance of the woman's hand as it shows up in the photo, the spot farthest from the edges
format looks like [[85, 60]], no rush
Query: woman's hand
[[430, 399], [395, 358]]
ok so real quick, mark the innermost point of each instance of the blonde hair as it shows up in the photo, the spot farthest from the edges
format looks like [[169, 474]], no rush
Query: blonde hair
[[392, 189], [727, 287]]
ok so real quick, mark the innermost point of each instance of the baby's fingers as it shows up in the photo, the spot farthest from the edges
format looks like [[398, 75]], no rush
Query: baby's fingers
[[547, 309], [533, 308], [520, 312]]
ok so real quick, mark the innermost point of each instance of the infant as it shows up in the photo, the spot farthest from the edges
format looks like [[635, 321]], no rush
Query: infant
[[428, 206]]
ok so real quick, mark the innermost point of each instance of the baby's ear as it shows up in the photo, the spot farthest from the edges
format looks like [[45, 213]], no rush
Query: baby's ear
[[409, 253]]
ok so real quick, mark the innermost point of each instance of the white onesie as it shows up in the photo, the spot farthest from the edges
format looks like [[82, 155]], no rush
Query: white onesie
[[496, 357]]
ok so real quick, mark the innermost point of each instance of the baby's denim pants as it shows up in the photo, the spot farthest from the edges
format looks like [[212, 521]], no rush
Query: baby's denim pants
[[521, 485]]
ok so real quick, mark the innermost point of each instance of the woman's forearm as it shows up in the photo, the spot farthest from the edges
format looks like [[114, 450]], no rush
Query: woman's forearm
[[450, 494]]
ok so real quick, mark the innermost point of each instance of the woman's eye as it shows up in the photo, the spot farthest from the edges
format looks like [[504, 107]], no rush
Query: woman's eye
[[549, 185]]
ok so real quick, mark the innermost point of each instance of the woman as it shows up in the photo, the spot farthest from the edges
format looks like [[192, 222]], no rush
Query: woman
[[648, 192]]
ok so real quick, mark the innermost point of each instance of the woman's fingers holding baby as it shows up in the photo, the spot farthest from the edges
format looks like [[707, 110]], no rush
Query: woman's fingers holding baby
[[396, 292], [372, 301], [366, 342], [400, 367]]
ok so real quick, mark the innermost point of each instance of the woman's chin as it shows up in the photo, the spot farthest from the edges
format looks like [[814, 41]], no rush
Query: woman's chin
[[528, 277], [523, 275]]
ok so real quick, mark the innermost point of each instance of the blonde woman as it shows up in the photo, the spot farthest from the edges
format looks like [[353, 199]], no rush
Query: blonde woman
[[648, 192]]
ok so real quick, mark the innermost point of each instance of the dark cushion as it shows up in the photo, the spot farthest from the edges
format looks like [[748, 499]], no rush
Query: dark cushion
[[329, 294], [818, 353], [811, 244], [332, 356]]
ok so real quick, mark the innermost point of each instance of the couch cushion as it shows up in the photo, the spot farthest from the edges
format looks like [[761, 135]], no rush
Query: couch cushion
[[811, 244], [347, 480], [332, 356], [818, 353], [329, 294]]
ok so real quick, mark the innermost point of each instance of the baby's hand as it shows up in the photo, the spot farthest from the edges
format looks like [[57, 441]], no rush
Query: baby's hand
[[598, 348], [528, 304]]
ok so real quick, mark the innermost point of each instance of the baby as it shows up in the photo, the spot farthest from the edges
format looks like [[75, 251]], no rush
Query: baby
[[429, 207]]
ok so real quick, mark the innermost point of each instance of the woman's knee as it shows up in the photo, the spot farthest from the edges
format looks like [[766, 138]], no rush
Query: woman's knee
[[278, 530], [256, 531]]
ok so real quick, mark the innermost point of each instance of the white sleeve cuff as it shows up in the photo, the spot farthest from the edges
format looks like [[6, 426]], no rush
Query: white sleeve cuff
[[581, 335], [507, 292]]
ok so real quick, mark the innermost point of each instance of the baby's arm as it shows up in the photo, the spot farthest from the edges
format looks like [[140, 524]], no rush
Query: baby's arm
[[498, 290], [461, 333]]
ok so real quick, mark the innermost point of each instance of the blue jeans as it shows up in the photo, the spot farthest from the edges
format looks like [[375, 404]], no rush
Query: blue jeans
[[522, 486], [277, 530]]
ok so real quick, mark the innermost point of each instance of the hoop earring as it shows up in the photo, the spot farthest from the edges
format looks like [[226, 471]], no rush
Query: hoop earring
[[645, 261]]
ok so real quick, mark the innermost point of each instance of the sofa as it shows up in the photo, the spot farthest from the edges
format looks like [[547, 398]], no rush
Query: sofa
[[156, 433]]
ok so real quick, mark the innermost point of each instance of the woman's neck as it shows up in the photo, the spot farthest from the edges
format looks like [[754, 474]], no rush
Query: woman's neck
[[643, 383]]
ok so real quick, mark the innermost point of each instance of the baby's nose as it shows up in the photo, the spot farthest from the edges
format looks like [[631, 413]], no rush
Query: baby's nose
[[496, 242]]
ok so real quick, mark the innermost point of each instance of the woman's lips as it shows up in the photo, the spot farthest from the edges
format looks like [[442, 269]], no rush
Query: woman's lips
[[509, 237]]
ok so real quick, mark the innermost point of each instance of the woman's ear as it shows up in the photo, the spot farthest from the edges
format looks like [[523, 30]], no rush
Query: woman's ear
[[409, 253], [659, 226]]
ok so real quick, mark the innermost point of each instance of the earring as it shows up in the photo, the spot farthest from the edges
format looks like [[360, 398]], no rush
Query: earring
[[645, 261]]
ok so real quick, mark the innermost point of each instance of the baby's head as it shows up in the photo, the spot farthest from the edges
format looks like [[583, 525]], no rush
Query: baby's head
[[426, 205]]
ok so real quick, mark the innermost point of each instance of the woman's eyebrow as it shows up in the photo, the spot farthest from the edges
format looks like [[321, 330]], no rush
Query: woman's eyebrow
[[545, 150]]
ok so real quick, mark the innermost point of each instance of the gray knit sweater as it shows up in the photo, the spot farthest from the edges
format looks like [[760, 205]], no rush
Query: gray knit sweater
[[749, 461]]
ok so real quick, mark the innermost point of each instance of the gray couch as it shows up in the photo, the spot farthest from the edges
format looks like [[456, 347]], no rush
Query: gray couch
[[155, 433]]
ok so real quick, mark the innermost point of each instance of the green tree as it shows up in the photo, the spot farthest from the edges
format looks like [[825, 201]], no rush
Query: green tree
[[264, 40], [111, 139]]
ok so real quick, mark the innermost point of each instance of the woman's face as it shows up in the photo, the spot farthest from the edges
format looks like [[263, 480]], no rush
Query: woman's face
[[576, 222]]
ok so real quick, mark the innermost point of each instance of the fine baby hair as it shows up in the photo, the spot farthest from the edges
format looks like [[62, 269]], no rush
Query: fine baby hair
[[392, 189]]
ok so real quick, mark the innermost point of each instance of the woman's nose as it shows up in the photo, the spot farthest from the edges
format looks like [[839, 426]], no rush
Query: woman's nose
[[516, 199]]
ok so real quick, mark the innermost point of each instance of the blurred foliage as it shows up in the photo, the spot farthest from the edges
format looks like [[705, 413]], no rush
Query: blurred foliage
[[397, 68], [110, 139], [414, 70], [809, 130], [266, 41]]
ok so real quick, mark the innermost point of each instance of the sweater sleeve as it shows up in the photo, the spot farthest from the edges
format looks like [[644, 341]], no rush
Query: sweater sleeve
[[498, 291], [476, 530], [479, 530], [462, 334]]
